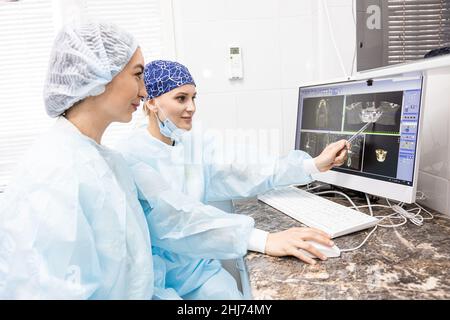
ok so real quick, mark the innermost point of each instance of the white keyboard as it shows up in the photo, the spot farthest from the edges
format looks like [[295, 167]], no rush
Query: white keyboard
[[317, 212]]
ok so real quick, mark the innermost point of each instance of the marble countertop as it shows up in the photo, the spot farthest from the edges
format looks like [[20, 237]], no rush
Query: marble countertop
[[407, 262]]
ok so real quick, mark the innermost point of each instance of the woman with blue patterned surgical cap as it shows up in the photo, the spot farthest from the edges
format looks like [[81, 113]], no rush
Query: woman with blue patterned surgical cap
[[71, 225], [189, 164]]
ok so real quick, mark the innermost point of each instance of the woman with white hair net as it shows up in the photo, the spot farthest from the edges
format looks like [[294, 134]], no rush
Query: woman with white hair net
[[71, 226]]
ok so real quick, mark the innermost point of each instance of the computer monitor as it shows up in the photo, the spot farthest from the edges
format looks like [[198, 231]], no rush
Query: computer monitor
[[383, 160]]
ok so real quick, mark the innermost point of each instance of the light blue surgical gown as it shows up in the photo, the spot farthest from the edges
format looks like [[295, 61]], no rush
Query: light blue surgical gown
[[206, 233], [71, 225]]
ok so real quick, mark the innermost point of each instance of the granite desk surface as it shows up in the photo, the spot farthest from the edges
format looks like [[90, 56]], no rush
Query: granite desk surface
[[407, 262]]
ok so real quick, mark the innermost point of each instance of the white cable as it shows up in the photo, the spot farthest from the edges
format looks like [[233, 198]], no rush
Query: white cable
[[442, 216], [428, 212], [356, 40], [362, 243], [369, 205], [342, 194], [392, 216], [374, 205], [313, 188], [422, 195], [389, 204], [399, 213], [417, 219], [333, 40]]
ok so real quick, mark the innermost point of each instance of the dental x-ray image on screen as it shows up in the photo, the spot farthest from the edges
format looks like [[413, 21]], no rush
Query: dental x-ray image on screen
[[354, 158], [323, 113], [313, 143], [386, 149], [389, 104], [381, 155]]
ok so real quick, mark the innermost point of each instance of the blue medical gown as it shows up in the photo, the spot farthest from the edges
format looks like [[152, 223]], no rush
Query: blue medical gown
[[71, 226], [185, 231]]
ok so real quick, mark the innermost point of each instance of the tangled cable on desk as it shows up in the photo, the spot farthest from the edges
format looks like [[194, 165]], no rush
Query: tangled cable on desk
[[398, 212]]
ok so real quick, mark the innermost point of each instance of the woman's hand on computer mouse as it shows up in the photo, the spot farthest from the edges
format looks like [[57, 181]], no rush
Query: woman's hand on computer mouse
[[334, 155], [289, 243]]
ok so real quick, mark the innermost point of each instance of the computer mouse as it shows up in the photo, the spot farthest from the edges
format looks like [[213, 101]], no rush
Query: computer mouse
[[330, 252]]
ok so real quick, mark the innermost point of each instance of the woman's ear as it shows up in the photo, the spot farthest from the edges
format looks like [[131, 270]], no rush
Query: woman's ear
[[149, 106]]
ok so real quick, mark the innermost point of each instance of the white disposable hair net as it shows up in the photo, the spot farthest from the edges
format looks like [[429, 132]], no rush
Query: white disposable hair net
[[85, 57]]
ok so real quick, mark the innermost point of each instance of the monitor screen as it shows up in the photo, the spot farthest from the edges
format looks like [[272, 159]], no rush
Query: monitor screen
[[386, 150]]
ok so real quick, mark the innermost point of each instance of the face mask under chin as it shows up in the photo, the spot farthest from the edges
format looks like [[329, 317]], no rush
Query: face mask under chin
[[168, 128]]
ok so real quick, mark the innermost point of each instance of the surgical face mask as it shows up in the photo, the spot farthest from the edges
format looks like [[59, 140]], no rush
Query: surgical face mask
[[168, 128]]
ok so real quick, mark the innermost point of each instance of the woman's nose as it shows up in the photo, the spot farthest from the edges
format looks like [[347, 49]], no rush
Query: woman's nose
[[191, 107], [142, 90]]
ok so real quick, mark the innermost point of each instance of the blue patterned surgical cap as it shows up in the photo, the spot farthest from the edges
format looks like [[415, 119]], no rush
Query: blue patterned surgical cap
[[162, 76]]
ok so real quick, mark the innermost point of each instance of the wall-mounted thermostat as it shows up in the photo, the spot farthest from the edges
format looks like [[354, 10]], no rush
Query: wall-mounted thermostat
[[235, 62]]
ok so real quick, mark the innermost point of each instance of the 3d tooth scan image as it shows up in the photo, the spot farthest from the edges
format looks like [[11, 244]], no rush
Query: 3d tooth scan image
[[323, 113], [361, 108], [370, 114], [381, 155]]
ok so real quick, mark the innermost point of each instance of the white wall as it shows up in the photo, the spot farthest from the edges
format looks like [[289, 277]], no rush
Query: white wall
[[285, 43], [434, 174]]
